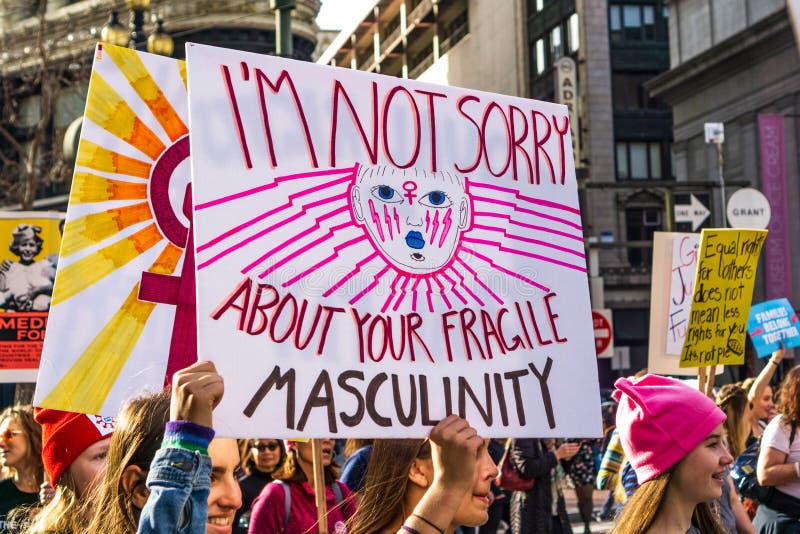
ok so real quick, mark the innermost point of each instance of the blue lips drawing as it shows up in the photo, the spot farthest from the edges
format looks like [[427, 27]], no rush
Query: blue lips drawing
[[414, 240]]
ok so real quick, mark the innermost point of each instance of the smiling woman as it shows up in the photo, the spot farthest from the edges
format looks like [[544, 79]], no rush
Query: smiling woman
[[674, 439]]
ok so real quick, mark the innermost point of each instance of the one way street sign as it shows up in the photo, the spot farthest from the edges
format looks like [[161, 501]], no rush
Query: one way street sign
[[694, 212]]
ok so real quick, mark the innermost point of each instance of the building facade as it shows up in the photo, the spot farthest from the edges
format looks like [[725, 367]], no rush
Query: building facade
[[513, 47], [733, 62], [49, 58]]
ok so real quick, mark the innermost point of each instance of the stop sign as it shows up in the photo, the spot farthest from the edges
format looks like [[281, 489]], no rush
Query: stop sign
[[603, 333]]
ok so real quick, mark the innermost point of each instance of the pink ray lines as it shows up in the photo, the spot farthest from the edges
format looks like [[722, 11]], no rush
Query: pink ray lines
[[452, 287], [350, 171], [530, 240], [336, 250], [392, 292], [369, 287], [509, 220], [348, 276], [441, 293], [503, 248], [530, 200], [277, 225], [462, 282], [302, 250], [527, 211], [479, 281], [428, 294], [414, 294], [290, 202], [504, 270]]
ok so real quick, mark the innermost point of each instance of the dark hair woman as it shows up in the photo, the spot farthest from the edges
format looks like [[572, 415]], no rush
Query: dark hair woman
[[260, 458], [21, 456], [779, 462], [427, 486], [295, 481]]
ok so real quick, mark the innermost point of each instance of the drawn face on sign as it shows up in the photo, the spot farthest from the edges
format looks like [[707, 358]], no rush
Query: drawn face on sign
[[414, 218]]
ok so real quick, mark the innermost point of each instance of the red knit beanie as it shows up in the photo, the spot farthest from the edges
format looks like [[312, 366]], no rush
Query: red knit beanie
[[65, 435]]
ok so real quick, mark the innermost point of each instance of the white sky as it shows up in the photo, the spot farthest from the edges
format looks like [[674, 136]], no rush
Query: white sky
[[335, 14]]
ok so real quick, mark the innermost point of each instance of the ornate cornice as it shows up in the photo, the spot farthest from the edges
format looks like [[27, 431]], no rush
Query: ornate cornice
[[72, 31]]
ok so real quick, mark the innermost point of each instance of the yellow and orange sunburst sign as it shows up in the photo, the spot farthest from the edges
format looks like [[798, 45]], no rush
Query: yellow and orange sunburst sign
[[119, 280]]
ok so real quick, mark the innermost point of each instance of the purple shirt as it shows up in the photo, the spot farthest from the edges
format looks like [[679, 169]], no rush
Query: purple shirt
[[269, 509]]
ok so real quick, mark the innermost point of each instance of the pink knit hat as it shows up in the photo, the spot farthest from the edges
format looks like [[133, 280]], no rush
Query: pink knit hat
[[660, 420]]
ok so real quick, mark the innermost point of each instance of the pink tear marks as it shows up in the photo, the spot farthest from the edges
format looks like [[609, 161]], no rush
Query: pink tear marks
[[376, 219], [175, 290], [332, 220]]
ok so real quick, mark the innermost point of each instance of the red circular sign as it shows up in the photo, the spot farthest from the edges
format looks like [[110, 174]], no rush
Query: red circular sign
[[602, 332]]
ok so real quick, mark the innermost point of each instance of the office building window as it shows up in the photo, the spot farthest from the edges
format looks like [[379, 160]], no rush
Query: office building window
[[639, 160], [540, 56], [640, 224], [574, 33], [615, 22], [632, 22], [556, 49], [629, 92]]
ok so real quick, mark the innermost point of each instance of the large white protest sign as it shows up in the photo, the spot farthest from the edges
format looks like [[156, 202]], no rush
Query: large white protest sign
[[375, 253]]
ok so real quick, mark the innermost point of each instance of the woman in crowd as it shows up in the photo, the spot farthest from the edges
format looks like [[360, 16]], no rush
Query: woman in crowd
[[581, 469], [261, 457], [779, 463], [21, 455], [74, 448], [732, 399], [534, 510], [169, 476], [354, 470], [427, 486], [760, 395], [295, 482], [674, 439]]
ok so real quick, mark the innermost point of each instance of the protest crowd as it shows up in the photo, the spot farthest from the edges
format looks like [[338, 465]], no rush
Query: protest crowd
[[674, 459], [419, 308]]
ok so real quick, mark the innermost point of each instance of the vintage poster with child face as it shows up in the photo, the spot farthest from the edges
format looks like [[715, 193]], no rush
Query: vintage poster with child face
[[27, 270]]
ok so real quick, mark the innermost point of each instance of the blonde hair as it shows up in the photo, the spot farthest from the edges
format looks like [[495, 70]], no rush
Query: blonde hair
[[732, 399], [644, 505], [65, 514], [137, 437]]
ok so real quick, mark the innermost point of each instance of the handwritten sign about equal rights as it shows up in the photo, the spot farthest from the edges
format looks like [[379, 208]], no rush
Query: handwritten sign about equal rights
[[375, 253], [773, 323], [723, 290], [112, 326]]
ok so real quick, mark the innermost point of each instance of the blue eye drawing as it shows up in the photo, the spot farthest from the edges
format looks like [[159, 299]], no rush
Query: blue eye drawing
[[386, 193], [436, 199]]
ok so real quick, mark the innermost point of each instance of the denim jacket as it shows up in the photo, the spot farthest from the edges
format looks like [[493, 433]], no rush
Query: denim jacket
[[179, 482]]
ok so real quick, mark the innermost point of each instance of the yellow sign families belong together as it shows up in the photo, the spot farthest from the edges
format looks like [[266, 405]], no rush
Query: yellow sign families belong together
[[726, 272]]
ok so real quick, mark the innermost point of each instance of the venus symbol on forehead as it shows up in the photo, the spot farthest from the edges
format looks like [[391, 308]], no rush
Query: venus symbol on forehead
[[409, 187]]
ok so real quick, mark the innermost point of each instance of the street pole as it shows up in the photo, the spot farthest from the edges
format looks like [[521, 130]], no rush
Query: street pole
[[721, 163], [283, 26]]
